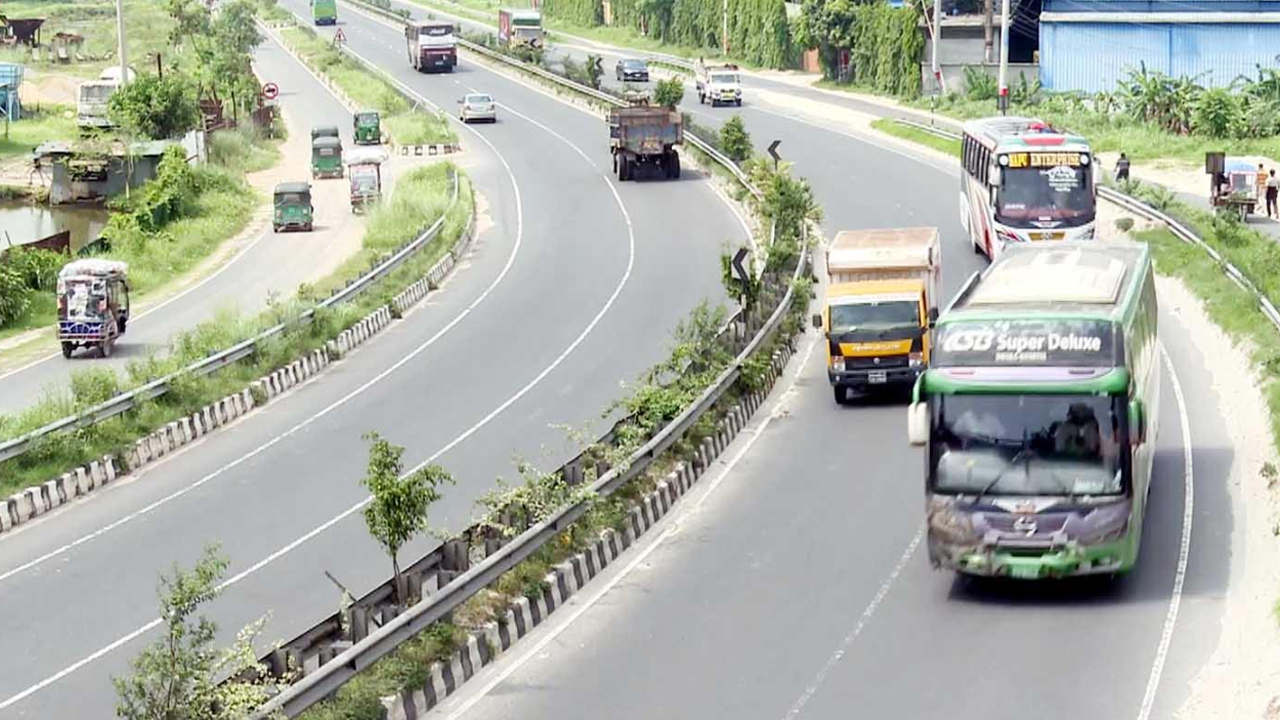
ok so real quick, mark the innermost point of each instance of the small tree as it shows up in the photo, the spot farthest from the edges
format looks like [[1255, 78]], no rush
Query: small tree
[[154, 107], [668, 93], [734, 139], [177, 678], [400, 502], [594, 70]]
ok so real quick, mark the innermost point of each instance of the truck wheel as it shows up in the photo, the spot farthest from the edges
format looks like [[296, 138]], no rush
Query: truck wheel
[[674, 173], [842, 394], [738, 102], [624, 169], [105, 347], [67, 349]]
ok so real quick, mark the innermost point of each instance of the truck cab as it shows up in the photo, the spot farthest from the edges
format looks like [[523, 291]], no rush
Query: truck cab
[[880, 304], [520, 27], [718, 84]]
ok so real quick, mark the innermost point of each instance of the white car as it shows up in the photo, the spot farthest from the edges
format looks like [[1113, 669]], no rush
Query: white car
[[477, 106]]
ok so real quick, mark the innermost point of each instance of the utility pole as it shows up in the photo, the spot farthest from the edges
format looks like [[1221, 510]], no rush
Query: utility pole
[[1004, 57], [988, 7], [124, 66], [937, 39], [724, 30]]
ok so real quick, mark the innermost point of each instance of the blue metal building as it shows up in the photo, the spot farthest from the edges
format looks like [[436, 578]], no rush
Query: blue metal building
[[1091, 44]]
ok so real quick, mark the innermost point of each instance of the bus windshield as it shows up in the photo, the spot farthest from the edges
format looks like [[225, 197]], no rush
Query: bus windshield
[[436, 31], [875, 316], [1057, 445], [1045, 197]]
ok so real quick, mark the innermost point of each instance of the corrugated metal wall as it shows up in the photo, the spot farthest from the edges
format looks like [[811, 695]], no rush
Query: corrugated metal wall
[[1093, 56]]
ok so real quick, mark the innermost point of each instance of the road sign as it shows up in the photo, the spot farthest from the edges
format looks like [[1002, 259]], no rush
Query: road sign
[[270, 91], [773, 150], [737, 265], [339, 38]]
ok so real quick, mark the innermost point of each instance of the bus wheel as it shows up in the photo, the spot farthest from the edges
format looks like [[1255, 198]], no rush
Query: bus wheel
[[842, 394]]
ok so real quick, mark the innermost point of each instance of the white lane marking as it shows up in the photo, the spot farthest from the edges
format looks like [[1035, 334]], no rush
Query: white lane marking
[[1184, 549], [355, 508], [335, 405], [863, 620], [674, 526]]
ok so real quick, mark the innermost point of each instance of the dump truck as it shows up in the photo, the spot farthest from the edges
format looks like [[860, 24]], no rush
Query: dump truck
[[520, 27], [641, 135], [880, 306], [431, 45], [718, 83]]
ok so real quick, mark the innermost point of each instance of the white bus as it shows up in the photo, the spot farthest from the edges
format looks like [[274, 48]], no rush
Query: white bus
[[1023, 181]]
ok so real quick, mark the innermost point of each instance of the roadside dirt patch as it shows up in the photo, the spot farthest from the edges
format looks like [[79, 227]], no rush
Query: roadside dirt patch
[[1242, 677]]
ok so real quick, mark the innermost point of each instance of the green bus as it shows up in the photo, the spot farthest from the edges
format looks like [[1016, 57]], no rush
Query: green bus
[[1039, 413], [324, 12]]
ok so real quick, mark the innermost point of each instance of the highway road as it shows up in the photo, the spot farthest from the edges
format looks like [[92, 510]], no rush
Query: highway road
[[268, 264], [797, 588], [573, 287]]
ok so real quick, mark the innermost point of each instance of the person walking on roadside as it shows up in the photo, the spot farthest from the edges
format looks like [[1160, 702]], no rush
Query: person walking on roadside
[[1273, 189], [1262, 184], [1122, 168]]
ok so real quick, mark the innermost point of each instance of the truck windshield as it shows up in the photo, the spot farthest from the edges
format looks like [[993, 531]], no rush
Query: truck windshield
[[1057, 445], [725, 79], [874, 316], [95, 93], [1032, 197]]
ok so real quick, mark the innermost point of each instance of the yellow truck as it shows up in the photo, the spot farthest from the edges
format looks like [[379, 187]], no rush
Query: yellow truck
[[881, 302]]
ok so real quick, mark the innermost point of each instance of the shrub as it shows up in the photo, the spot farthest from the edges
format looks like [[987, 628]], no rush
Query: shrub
[[979, 85], [734, 139], [1124, 224], [668, 93]]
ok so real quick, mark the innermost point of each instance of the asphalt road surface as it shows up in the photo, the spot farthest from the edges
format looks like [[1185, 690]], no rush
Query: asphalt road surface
[[271, 264], [573, 288]]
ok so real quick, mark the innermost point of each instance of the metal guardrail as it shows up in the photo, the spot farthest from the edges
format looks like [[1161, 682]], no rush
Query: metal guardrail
[[126, 401], [1180, 231], [328, 661], [591, 92]]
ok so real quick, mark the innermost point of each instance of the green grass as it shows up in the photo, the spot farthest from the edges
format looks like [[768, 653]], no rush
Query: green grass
[[369, 90], [59, 453], [147, 26], [54, 122], [920, 137]]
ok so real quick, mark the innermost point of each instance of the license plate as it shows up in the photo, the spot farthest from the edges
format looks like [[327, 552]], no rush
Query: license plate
[[877, 377], [1024, 572], [1047, 236]]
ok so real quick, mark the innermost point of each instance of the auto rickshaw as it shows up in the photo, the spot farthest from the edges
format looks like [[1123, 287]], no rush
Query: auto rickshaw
[[324, 131], [326, 157], [93, 304], [367, 128], [292, 206]]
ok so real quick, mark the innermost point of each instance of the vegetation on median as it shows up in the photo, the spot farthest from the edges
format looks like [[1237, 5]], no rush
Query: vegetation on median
[[405, 124], [915, 135], [418, 199]]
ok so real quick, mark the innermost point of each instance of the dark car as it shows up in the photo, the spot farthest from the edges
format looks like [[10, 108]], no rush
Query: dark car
[[630, 69]]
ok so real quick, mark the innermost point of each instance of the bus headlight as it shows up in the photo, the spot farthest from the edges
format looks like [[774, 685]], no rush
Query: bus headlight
[[1003, 160], [1084, 158], [1104, 524], [837, 363]]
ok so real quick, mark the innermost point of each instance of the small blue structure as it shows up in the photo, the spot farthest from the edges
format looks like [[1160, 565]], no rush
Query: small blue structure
[[10, 83], [1090, 45]]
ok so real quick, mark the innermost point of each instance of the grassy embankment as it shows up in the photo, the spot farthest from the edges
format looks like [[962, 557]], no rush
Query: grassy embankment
[[419, 198], [399, 119]]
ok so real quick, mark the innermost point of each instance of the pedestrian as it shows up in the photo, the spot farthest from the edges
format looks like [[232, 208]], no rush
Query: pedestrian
[[1262, 184], [1122, 168], [1273, 188]]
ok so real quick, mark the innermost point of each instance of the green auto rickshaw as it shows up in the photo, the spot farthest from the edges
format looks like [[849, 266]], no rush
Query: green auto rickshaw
[[367, 128], [324, 131], [326, 157], [292, 206]]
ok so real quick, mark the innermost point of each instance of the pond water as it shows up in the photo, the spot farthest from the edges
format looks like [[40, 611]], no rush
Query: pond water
[[22, 223]]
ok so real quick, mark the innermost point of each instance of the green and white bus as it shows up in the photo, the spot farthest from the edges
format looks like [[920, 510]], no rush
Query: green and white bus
[[324, 12], [1039, 413]]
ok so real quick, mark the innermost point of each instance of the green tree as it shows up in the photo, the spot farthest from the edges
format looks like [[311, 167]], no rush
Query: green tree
[[828, 26], [668, 93], [154, 107], [734, 139], [215, 49], [594, 70], [400, 502], [177, 678]]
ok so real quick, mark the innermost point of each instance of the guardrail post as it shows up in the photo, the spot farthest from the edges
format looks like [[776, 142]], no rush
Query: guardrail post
[[359, 623]]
